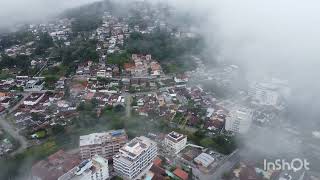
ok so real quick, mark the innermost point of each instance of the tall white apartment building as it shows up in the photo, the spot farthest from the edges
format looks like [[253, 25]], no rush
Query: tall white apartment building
[[93, 169], [104, 144], [135, 157], [264, 94], [239, 121], [175, 142]]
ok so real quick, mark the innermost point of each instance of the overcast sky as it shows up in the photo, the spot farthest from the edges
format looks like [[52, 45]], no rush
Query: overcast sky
[[272, 38], [17, 11]]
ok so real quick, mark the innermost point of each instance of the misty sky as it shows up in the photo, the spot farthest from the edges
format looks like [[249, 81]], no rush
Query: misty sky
[[279, 34], [272, 38], [19, 11]]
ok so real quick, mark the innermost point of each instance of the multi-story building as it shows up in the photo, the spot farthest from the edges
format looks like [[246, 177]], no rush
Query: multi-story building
[[104, 144], [91, 169], [175, 142], [239, 120], [264, 94], [34, 85], [135, 157]]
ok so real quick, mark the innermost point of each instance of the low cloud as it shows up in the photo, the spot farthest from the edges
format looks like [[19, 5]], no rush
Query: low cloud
[[13, 12]]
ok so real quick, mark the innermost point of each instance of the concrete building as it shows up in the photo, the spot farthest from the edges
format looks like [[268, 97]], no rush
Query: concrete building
[[204, 160], [135, 158], [175, 142], [239, 120], [34, 85], [270, 92], [93, 169], [104, 74], [104, 144], [264, 94]]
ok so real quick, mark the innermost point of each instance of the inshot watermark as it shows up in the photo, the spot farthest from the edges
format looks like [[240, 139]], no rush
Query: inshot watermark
[[282, 164]]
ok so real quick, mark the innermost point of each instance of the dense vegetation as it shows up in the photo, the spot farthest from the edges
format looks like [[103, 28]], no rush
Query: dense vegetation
[[21, 61], [88, 17], [80, 50], [45, 42], [10, 39], [173, 53]]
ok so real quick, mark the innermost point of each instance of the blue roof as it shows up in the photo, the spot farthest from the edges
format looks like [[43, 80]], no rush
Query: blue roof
[[117, 132]]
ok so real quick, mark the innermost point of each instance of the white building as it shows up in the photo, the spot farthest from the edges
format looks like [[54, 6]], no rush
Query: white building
[[264, 94], [239, 120], [270, 92], [204, 160], [34, 85], [93, 169], [104, 74], [135, 158], [175, 142], [105, 144]]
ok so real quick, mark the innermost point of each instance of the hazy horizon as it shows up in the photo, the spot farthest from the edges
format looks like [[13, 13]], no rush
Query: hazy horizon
[[13, 12]]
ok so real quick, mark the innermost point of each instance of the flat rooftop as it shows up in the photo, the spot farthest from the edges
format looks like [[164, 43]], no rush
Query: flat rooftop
[[204, 159], [135, 147], [99, 138], [176, 137]]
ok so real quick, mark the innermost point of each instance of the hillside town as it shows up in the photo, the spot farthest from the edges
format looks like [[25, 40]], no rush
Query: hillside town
[[118, 113]]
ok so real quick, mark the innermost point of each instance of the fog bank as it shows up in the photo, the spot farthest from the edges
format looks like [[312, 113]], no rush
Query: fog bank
[[13, 12]]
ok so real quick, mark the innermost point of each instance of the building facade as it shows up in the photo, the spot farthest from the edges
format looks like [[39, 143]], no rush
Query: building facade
[[239, 121], [175, 142], [104, 144], [135, 157]]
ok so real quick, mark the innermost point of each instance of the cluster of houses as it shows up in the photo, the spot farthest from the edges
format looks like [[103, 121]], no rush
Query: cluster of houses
[[189, 106], [20, 49], [42, 109], [114, 30], [111, 34], [143, 67], [25, 83], [59, 29], [8, 100]]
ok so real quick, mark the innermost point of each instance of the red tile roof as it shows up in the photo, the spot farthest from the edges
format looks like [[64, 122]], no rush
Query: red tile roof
[[157, 161], [181, 174]]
